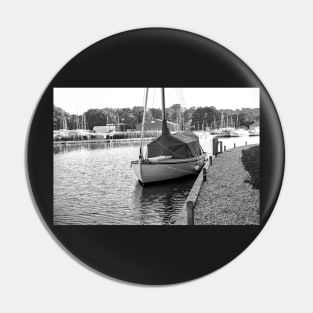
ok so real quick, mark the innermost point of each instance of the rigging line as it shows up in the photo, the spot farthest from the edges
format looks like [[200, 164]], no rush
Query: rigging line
[[146, 93], [182, 95], [178, 95], [181, 111], [183, 98], [184, 105], [153, 97]]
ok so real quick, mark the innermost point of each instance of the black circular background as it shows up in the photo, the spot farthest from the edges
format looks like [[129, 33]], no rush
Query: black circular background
[[154, 57]]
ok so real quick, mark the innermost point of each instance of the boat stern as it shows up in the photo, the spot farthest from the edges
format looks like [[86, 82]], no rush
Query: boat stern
[[137, 169]]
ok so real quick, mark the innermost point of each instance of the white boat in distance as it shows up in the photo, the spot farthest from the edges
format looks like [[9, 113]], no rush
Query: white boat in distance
[[254, 131], [169, 156], [239, 132]]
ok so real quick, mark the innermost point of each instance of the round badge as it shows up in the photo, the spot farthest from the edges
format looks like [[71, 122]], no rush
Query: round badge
[[155, 156]]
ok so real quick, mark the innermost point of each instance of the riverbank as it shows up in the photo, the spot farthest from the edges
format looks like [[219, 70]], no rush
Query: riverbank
[[73, 142], [251, 162], [227, 197]]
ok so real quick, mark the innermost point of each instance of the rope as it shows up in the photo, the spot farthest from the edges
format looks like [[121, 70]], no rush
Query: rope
[[182, 95], [178, 95], [181, 99]]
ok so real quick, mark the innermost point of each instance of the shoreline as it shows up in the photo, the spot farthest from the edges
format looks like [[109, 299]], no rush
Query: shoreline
[[72, 142], [133, 139]]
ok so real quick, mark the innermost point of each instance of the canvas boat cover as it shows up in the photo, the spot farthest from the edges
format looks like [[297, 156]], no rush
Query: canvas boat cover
[[182, 145]]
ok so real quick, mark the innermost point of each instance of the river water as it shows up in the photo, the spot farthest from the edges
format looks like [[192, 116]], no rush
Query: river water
[[95, 185]]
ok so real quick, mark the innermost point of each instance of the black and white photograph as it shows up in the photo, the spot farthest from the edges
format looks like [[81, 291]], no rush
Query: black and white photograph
[[156, 156]]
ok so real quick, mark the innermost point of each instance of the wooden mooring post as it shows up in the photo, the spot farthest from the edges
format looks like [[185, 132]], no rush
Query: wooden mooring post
[[221, 146], [224, 148], [211, 159], [190, 215], [204, 174], [234, 145], [246, 143]]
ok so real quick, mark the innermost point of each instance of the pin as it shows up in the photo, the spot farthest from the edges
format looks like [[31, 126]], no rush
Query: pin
[[175, 214]]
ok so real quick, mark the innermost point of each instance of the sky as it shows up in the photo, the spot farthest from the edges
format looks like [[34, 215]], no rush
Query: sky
[[79, 100]]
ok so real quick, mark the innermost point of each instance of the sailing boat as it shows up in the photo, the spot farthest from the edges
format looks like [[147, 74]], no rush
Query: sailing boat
[[81, 127], [239, 131], [214, 130], [168, 156], [63, 122], [63, 133]]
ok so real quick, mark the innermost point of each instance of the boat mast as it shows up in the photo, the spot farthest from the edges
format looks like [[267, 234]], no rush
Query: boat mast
[[85, 120], [222, 120], [143, 124], [164, 126], [64, 123]]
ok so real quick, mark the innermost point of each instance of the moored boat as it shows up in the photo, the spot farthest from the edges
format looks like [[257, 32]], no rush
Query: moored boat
[[216, 131], [239, 132], [148, 171], [169, 156], [255, 131]]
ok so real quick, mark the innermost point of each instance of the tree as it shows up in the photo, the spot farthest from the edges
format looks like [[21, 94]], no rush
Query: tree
[[137, 111], [96, 117], [176, 110], [198, 117], [58, 115], [156, 113]]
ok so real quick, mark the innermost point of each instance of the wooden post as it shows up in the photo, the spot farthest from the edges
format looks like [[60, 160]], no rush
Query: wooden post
[[189, 206], [224, 148], [221, 147], [246, 142], [211, 159], [234, 145], [204, 174]]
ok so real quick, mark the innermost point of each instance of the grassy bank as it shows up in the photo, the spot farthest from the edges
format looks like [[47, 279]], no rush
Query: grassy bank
[[251, 162]]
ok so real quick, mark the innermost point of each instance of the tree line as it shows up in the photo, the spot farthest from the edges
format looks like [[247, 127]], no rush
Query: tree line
[[195, 117]]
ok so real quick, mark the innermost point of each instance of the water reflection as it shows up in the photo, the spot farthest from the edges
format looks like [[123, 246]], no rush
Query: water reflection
[[166, 198], [63, 148]]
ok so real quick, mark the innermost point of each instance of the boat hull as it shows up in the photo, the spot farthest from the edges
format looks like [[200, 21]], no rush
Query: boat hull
[[148, 172], [239, 133], [254, 133]]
